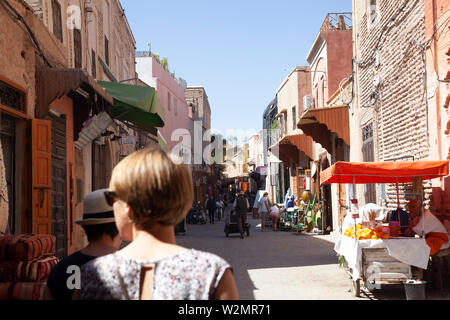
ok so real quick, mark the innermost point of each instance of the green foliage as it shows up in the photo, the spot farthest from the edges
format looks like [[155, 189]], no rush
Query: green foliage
[[165, 64], [342, 262]]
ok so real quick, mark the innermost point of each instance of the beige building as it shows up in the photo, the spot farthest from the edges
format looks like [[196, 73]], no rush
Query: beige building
[[293, 147]]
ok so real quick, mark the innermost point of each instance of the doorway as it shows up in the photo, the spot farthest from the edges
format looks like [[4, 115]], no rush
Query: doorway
[[59, 183]]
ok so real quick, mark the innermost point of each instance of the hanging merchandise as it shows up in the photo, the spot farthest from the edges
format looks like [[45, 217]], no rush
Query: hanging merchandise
[[4, 207]]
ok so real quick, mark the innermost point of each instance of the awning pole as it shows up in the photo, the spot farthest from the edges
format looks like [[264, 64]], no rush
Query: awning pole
[[340, 204], [398, 203], [354, 197], [421, 201]]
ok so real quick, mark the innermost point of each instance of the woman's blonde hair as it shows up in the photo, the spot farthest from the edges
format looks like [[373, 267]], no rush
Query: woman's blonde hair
[[157, 189]]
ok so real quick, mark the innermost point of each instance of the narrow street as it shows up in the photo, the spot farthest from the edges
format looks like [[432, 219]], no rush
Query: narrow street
[[274, 266]]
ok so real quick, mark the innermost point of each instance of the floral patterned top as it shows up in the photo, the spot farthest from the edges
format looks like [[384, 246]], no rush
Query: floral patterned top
[[189, 275]]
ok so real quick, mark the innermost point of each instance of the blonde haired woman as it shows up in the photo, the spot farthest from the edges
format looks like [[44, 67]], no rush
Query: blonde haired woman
[[150, 194]]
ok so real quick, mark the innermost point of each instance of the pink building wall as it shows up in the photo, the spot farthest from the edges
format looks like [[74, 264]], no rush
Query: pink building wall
[[177, 110]]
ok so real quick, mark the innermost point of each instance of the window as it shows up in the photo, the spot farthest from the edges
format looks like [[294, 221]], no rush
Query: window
[[57, 20], [168, 101], [106, 51], [78, 56], [94, 64], [294, 118], [11, 97], [369, 156], [175, 105], [373, 12]]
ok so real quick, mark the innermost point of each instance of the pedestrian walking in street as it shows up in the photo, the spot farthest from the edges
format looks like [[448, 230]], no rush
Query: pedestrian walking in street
[[150, 194], [100, 228], [264, 209], [241, 206], [219, 205], [275, 216], [211, 208]]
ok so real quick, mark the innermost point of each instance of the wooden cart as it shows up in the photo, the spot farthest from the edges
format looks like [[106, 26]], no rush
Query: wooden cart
[[378, 266]]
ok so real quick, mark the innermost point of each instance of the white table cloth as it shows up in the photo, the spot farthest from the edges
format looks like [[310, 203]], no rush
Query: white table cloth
[[411, 251]]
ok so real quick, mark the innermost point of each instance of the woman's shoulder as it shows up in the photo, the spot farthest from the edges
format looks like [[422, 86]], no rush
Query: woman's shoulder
[[202, 259]]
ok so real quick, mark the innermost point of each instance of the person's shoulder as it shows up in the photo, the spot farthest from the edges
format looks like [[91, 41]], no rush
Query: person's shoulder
[[99, 263], [207, 257]]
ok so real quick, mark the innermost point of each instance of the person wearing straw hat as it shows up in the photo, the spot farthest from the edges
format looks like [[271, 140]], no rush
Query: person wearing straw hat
[[99, 225]]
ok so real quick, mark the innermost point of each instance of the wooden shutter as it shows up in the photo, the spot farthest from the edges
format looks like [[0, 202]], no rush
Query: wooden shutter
[[57, 20], [78, 56], [41, 181]]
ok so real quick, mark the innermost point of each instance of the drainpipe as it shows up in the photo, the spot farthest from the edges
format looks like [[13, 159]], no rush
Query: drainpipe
[[437, 94]]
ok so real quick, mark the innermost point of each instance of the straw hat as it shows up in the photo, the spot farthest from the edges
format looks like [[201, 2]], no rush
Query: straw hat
[[96, 209]]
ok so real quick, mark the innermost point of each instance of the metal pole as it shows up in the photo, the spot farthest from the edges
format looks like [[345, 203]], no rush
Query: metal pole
[[398, 205], [354, 197]]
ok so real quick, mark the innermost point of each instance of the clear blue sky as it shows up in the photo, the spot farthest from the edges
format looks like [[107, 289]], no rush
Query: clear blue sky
[[240, 51]]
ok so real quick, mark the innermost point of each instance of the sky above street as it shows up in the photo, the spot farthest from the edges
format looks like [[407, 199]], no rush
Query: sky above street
[[240, 51]]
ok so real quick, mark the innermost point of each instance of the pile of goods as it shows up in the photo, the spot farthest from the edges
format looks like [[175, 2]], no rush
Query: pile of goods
[[25, 264], [366, 233]]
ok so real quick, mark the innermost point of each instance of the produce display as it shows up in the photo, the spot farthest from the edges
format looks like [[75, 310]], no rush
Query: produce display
[[366, 233]]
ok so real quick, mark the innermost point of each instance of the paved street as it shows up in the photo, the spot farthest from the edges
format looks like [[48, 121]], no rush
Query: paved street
[[281, 265]]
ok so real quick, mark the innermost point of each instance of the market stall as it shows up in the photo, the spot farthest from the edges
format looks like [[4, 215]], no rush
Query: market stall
[[375, 253]]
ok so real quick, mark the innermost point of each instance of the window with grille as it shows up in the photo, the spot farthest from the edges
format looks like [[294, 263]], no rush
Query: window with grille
[[11, 97], [57, 20], [78, 56], [106, 51]]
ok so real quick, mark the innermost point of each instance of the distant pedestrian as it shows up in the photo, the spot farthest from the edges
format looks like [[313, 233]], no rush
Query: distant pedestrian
[[275, 216], [100, 228], [151, 194], [211, 208], [264, 209], [241, 206], [219, 208]]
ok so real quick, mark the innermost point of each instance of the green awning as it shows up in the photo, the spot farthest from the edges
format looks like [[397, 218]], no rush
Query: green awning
[[136, 104]]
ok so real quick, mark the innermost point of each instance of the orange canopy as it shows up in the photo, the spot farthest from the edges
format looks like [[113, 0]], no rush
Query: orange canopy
[[383, 172]]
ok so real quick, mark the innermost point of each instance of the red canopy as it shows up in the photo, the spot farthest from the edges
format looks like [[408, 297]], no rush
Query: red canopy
[[383, 172]]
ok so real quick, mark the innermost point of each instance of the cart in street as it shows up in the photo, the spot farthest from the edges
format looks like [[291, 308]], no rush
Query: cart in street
[[376, 261]]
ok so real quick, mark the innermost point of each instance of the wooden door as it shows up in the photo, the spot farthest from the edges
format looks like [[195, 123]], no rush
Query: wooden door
[[59, 184], [300, 182], [41, 180]]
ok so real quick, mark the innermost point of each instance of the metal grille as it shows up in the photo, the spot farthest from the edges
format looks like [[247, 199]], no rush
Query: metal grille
[[11, 97], [367, 132]]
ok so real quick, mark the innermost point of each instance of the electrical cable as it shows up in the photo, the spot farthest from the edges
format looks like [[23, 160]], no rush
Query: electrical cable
[[17, 17], [384, 29]]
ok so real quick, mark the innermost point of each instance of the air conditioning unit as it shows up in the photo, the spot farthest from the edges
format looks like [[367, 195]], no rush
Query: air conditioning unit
[[308, 102]]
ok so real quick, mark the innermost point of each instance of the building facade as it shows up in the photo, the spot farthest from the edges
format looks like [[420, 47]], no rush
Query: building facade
[[171, 94], [326, 123]]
